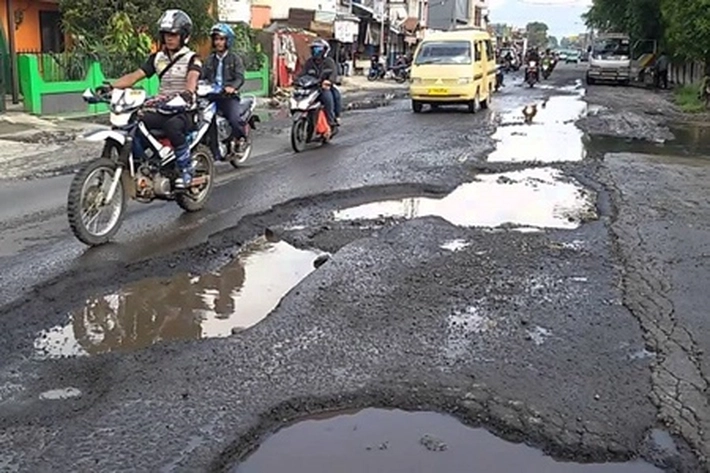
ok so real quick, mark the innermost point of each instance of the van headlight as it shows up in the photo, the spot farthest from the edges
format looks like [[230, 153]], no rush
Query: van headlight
[[416, 80], [465, 80]]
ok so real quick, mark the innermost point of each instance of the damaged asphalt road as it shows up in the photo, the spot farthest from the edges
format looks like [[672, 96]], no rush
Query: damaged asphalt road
[[444, 296]]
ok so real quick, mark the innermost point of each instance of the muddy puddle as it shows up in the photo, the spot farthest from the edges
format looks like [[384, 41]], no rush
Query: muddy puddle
[[539, 197], [184, 307], [393, 441], [691, 142], [551, 136]]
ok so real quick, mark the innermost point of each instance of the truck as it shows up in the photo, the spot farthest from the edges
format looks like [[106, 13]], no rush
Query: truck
[[612, 59]]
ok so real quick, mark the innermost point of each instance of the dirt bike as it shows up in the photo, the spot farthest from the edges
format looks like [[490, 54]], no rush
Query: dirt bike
[[309, 116], [135, 163], [219, 133]]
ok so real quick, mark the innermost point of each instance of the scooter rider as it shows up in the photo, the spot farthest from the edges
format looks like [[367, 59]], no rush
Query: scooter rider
[[323, 67], [178, 69], [226, 69]]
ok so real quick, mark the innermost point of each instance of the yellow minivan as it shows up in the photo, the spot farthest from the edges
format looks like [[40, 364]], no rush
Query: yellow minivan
[[454, 68]]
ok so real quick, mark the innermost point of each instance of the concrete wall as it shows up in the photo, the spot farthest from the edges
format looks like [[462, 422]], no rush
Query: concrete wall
[[446, 14]]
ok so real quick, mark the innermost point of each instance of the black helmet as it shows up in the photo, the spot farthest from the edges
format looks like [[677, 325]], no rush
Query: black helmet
[[175, 21]]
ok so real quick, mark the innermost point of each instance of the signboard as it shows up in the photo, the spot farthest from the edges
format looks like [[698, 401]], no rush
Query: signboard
[[346, 31], [234, 11]]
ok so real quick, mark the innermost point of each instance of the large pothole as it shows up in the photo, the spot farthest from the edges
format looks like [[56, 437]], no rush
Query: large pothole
[[539, 197], [184, 307], [394, 441]]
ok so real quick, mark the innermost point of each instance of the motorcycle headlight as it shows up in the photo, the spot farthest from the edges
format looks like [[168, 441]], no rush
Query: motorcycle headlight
[[533, 64]]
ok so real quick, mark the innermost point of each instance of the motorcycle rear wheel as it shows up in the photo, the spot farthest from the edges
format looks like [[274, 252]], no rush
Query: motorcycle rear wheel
[[82, 194]]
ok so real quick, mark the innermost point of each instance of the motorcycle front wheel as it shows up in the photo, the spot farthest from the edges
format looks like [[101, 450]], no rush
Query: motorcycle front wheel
[[372, 76], [86, 203], [299, 134], [195, 198]]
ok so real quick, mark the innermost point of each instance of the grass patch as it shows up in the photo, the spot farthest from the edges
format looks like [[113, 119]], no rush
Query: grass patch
[[688, 99]]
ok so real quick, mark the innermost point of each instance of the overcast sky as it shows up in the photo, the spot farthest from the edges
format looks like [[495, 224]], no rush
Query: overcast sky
[[562, 16]]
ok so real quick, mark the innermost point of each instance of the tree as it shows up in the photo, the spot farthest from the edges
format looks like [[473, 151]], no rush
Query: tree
[[641, 19], [537, 33], [688, 29], [88, 18], [552, 42]]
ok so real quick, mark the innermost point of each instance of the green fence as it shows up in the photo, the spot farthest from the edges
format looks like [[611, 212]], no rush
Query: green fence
[[48, 89]]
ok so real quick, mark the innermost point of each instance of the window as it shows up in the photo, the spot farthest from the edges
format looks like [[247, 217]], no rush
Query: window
[[444, 52], [478, 51], [51, 36], [490, 54]]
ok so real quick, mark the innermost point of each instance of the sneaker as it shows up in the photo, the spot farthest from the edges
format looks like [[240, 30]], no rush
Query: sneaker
[[184, 180]]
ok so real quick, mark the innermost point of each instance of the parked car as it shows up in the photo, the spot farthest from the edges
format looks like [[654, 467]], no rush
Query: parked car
[[573, 57]]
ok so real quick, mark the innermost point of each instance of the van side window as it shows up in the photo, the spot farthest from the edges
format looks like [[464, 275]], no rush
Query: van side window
[[490, 54], [477, 47]]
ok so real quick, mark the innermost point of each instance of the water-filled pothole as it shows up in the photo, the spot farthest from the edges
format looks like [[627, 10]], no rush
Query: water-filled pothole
[[691, 142], [539, 197], [393, 441], [184, 307], [552, 136]]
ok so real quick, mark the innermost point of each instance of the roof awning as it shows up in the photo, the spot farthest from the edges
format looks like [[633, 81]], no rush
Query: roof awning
[[410, 25]]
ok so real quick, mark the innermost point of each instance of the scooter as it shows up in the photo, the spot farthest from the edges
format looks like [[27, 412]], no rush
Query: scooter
[[546, 70], [219, 131], [310, 122]]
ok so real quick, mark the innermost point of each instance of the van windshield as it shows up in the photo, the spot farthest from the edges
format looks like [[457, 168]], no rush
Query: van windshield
[[444, 52]]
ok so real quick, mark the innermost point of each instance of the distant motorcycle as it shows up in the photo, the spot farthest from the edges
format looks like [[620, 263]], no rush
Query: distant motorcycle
[[310, 123], [377, 71], [401, 74], [546, 69], [532, 73]]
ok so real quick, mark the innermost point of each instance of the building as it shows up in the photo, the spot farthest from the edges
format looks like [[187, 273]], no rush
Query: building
[[452, 14]]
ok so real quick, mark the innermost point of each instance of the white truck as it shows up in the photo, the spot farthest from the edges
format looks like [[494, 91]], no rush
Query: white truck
[[613, 59], [610, 59]]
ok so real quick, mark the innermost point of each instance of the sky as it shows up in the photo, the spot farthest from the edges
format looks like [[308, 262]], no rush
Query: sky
[[561, 16]]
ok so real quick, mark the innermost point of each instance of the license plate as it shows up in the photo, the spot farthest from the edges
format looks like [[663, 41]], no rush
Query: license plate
[[438, 91]]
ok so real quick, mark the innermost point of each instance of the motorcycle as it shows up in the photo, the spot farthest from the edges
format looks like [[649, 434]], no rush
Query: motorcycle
[[531, 74], [135, 162], [546, 70], [377, 71], [218, 136], [310, 122], [401, 74]]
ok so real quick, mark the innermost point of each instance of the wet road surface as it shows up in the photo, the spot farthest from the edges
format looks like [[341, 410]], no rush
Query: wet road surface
[[473, 271]]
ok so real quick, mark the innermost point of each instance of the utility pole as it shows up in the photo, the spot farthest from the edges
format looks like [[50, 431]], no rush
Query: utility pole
[[385, 15]]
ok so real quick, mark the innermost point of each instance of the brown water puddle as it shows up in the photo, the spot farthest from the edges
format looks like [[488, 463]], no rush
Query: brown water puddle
[[539, 197], [393, 441], [551, 137], [184, 307]]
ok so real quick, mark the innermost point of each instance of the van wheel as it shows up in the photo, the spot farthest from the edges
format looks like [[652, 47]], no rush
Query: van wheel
[[473, 105], [417, 106], [486, 103]]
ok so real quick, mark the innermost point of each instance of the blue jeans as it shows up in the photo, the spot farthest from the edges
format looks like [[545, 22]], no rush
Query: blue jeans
[[332, 102], [230, 109]]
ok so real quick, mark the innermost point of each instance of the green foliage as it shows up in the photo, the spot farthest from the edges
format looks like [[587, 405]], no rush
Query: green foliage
[[89, 17], [641, 19], [688, 98], [688, 28], [537, 33], [552, 42], [248, 47]]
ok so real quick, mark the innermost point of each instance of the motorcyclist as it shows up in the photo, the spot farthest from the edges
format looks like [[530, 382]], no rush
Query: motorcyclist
[[226, 69], [321, 66], [178, 68], [532, 55]]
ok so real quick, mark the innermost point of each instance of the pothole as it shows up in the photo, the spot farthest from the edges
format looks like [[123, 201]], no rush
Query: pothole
[[539, 197], [184, 307], [552, 136], [394, 441]]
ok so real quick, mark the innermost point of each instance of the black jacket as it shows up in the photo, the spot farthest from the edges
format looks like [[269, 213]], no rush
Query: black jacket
[[233, 69], [325, 69]]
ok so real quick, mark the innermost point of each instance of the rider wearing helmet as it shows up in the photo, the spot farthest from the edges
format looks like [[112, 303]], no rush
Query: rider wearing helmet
[[226, 69], [321, 66], [178, 69]]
